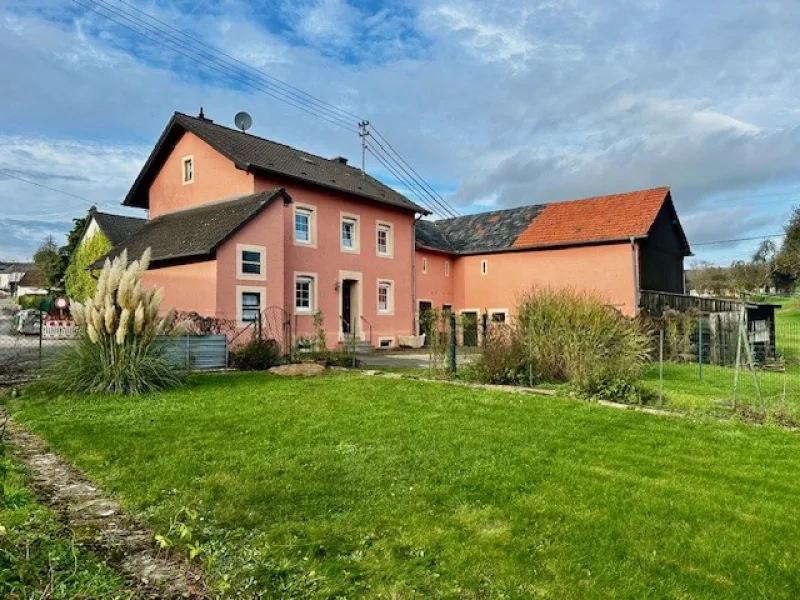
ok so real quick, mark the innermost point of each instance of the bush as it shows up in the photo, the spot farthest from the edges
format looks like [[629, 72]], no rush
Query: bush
[[257, 355], [338, 358], [30, 301], [573, 337], [563, 336], [502, 359], [116, 354]]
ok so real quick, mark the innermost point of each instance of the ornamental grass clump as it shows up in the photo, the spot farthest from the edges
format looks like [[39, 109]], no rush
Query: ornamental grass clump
[[117, 352]]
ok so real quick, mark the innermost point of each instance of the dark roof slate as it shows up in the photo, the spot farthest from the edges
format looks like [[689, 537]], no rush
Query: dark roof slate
[[117, 228], [471, 234], [253, 153], [194, 232], [16, 267]]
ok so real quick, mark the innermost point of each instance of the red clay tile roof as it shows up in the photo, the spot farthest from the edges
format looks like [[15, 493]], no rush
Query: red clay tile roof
[[602, 218]]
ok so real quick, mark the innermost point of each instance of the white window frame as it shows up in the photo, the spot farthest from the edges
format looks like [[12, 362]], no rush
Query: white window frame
[[389, 229], [356, 222], [498, 311], [312, 296], [190, 160], [311, 211], [388, 284], [246, 289], [240, 273], [447, 268], [484, 267]]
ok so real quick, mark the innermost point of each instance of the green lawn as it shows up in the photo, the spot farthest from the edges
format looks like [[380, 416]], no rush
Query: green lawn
[[352, 486], [38, 558]]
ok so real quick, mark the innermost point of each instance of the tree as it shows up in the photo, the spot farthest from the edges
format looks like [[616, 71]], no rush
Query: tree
[[787, 262], [51, 262], [78, 280]]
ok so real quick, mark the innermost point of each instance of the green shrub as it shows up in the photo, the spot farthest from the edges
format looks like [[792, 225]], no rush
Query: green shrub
[[116, 353], [573, 337], [502, 359], [30, 301], [79, 281], [257, 355], [341, 357]]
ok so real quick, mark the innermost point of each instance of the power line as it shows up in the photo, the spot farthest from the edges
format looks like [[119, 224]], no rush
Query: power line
[[433, 191], [251, 77], [41, 185], [435, 198], [210, 63], [744, 239], [411, 183]]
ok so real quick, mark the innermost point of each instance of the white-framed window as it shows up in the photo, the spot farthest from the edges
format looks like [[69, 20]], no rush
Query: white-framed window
[[302, 225], [188, 169], [484, 267], [251, 262], [384, 240], [424, 266], [304, 293], [350, 233], [447, 268], [251, 306], [498, 317], [385, 297]]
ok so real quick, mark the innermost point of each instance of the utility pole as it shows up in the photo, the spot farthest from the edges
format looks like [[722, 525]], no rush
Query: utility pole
[[363, 132]]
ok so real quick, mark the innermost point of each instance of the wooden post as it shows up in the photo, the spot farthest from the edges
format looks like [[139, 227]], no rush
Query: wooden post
[[661, 368]]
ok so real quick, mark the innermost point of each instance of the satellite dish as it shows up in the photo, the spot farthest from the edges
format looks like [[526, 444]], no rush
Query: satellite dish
[[243, 121]]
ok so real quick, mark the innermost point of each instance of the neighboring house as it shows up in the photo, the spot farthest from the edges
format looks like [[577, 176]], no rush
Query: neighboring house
[[611, 246], [239, 224], [12, 273], [116, 228], [32, 283]]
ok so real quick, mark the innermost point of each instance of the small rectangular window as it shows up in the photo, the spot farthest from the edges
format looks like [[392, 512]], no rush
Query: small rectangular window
[[349, 234], [303, 294], [251, 262], [424, 265], [499, 317], [484, 267], [188, 169], [447, 268], [384, 240], [251, 306], [302, 226], [384, 296]]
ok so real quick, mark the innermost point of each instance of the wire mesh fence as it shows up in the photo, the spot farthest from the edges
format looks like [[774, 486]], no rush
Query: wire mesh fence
[[727, 360]]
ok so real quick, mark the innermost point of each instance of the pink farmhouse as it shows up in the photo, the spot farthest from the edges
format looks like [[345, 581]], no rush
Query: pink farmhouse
[[238, 224]]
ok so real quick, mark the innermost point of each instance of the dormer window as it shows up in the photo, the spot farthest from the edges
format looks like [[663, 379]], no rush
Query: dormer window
[[188, 169]]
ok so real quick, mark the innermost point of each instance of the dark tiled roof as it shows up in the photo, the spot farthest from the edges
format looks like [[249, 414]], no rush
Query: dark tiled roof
[[196, 231], [117, 228], [484, 232], [16, 267], [259, 155], [33, 278], [571, 223]]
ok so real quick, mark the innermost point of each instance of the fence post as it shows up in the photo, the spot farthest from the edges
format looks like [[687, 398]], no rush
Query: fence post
[[700, 346], [661, 367], [41, 333], [453, 368]]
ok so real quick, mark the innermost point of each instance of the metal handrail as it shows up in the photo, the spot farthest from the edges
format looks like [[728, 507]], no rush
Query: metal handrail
[[351, 333], [368, 325]]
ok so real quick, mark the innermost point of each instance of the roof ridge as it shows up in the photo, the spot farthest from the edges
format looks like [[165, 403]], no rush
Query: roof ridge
[[258, 137]]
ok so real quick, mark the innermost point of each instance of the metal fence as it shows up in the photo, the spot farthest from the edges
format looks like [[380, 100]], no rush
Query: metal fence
[[196, 352], [727, 360]]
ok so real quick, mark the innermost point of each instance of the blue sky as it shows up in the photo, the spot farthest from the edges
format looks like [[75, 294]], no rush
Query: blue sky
[[497, 104]]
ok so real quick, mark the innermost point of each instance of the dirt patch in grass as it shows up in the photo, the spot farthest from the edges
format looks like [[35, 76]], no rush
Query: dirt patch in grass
[[302, 369], [100, 522]]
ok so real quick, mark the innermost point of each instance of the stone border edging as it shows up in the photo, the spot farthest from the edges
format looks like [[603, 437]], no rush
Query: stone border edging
[[100, 522]]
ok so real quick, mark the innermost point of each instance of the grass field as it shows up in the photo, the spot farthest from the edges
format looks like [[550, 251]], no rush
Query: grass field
[[360, 487], [38, 558]]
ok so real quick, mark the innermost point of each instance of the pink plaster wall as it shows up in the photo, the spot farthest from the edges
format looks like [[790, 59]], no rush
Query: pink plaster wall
[[267, 230], [434, 286], [188, 287], [606, 271], [215, 178], [327, 259]]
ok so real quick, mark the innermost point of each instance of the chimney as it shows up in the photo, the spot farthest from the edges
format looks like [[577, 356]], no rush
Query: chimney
[[339, 159], [202, 116]]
